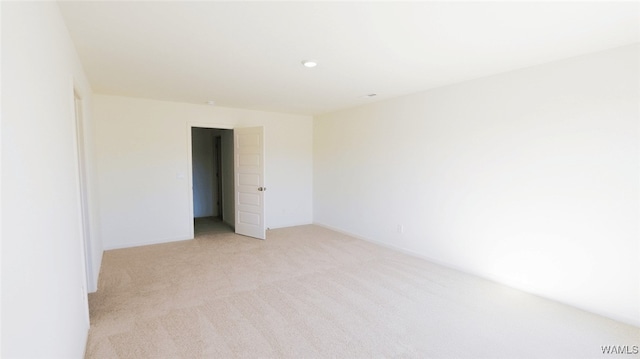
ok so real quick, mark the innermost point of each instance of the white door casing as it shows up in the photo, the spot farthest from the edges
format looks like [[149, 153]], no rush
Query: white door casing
[[249, 181], [82, 183]]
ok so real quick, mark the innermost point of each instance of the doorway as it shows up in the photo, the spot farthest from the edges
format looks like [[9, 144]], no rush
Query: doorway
[[242, 177], [212, 180]]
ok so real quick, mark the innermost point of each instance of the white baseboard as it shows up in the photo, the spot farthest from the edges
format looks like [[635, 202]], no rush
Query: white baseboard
[[291, 225], [393, 247], [493, 278], [147, 243]]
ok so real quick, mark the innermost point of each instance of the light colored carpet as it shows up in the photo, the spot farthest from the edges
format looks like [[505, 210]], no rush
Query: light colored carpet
[[308, 292]]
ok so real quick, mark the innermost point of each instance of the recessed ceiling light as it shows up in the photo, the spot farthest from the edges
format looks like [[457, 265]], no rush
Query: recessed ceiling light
[[309, 63], [211, 103]]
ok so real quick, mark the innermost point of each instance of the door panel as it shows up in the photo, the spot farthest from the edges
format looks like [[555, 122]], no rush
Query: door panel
[[249, 181]]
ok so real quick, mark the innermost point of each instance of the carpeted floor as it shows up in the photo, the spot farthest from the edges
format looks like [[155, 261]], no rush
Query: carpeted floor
[[308, 292], [210, 225]]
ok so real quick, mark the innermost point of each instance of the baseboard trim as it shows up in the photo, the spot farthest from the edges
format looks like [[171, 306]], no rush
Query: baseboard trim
[[496, 279], [291, 225], [148, 243], [393, 247], [96, 276]]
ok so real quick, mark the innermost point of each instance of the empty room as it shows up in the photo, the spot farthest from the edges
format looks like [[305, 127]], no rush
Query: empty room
[[425, 179]]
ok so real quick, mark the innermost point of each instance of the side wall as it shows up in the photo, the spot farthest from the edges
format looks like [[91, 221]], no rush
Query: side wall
[[143, 163], [529, 178], [44, 300]]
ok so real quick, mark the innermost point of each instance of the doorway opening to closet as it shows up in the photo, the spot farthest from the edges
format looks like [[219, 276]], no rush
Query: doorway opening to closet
[[212, 178]]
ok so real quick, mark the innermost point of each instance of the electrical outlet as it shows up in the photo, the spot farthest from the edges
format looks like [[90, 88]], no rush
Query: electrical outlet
[[400, 228]]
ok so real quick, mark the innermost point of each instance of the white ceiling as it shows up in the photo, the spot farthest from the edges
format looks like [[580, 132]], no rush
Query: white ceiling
[[248, 54]]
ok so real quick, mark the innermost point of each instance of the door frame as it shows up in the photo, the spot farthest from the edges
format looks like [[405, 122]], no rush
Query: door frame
[[89, 283], [189, 174]]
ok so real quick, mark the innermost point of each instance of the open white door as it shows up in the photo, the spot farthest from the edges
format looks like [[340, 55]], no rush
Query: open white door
[[249, 181]]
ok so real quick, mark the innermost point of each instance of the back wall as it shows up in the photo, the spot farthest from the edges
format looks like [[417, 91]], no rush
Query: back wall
[[142, 156]]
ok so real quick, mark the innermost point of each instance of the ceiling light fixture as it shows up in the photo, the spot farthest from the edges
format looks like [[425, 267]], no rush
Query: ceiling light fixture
[[309, 63], [211, 103]]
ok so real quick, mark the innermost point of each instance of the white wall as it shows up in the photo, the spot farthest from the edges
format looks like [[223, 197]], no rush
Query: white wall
[[143, 159], [44, 309], [529, 178]]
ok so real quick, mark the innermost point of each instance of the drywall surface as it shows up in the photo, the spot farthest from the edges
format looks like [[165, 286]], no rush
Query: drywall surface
[[529, 178], [44, 300], [143, 166]]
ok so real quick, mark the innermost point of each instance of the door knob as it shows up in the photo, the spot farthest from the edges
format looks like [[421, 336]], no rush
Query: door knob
[[261, 189]]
